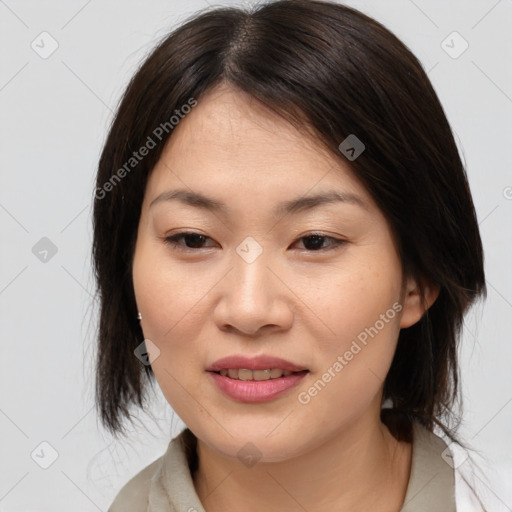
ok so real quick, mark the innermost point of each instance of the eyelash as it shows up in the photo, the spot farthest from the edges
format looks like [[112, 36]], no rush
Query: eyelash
[[172, 242]]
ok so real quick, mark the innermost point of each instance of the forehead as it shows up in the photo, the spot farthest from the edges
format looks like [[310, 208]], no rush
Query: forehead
[[231, 143]]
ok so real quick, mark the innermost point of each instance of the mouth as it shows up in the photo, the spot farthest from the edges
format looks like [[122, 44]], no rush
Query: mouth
[[246, 374], [255, 379]]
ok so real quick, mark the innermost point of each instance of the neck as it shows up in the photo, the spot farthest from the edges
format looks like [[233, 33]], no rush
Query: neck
[[359, 467]]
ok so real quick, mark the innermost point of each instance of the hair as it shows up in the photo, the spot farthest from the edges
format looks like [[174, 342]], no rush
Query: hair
[[331, 71]]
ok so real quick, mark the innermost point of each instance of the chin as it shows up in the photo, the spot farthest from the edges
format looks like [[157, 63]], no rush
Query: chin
[[252, 442]]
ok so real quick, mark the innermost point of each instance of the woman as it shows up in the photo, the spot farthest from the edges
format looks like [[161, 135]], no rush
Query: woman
[[285, 240]]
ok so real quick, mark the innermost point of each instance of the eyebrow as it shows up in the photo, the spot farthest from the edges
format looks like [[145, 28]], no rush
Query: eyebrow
[[300, 204]]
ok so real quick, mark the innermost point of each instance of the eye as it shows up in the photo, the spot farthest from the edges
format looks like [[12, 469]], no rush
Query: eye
[[313, 242], [193, 240]]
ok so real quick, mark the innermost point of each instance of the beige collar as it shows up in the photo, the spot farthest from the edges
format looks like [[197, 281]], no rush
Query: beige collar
[[432, 481]]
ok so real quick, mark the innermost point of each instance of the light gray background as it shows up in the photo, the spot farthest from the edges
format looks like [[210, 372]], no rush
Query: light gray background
[[54, 117]]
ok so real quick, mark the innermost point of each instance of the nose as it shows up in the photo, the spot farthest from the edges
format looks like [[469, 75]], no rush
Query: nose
[[253, 299]]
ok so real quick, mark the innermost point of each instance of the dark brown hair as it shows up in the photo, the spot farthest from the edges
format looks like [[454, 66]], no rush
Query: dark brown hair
[[331, 71]]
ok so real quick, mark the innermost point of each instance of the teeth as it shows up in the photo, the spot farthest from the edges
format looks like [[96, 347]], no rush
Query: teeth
[[245, 374]]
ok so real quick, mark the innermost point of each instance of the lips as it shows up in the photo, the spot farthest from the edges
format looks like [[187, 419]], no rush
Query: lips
[[253, 390], [261, 362]]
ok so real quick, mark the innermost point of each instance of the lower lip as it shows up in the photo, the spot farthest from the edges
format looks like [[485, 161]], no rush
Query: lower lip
[[256, 390]]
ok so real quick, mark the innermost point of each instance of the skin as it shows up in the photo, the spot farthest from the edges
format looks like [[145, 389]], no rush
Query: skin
[[293, 302]]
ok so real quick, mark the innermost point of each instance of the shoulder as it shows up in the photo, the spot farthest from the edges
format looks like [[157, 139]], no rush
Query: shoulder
[[432, 480], [166, 478], [134, 495]]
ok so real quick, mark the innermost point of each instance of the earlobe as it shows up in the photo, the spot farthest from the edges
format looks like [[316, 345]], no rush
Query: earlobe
[[414, 306]]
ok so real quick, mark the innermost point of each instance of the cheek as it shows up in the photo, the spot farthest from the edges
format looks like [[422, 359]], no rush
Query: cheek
[[346, 301], [359, 309], [164, 291], [170, 301], [351, 367], [171, 306]]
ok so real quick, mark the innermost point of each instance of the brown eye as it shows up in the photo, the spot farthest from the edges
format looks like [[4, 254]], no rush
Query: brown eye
[[315, 242], [192, 240]]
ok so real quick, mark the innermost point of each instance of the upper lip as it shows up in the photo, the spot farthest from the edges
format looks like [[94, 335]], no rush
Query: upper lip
[[261, 362]]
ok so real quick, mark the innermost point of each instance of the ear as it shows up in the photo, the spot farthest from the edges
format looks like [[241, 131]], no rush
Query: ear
[[414, 304]]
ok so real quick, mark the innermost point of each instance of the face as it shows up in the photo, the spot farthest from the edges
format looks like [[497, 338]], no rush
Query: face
[[317, 284]]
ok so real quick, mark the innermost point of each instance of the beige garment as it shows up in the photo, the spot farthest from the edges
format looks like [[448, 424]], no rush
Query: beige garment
[[166, 484]]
